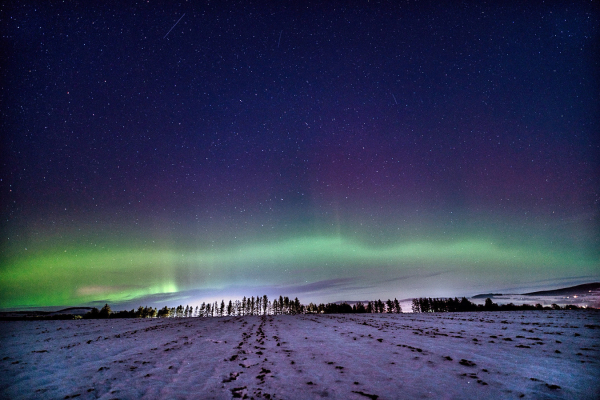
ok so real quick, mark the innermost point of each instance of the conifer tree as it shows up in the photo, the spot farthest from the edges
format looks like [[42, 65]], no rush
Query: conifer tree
[[164, 312], [93, 313], [297, 306], [415, 306], [424, 304], [286, 305], [465, 305], [105, 312], [397, 308]]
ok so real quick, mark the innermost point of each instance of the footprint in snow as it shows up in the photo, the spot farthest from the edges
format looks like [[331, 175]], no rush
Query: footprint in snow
[[370, 396], [467, 363]]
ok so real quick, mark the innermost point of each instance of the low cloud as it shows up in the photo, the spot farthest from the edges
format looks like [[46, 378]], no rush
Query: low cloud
[[328, 284], [100, 290]]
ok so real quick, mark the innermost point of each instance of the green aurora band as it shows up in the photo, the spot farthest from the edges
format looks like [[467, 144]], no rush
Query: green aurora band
[[78, 276]]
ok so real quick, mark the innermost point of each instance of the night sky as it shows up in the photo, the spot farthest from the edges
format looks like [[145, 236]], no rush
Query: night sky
[[164, 153]]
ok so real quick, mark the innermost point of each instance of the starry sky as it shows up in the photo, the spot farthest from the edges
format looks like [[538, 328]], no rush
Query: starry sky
[[165, 153]]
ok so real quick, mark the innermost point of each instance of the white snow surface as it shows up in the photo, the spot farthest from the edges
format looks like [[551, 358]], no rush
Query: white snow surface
[[484, 355]]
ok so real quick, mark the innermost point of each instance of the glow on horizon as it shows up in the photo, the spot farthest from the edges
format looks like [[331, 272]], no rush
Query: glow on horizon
[[76, 276]]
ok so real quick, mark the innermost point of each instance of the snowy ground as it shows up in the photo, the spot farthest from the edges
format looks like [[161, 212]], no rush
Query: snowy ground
[[534, 354]]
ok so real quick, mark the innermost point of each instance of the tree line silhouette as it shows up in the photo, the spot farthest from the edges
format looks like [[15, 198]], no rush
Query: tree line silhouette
[[285, 306], [260, 305], [427, 304], [377, 306]]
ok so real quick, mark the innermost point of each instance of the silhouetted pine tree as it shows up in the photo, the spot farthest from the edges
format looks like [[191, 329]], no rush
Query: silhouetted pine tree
[[397, 308], [416, 306], [265, 304], [423, 305], [465, 304], [286, 305], [105, 312], [389, 306], [164, 312], [297, 306]]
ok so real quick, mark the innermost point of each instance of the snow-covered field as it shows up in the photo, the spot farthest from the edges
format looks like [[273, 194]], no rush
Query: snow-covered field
[[495, 355]]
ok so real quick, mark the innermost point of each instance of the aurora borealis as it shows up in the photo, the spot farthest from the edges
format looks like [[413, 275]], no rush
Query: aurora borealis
[[84, 275], [330, 152]]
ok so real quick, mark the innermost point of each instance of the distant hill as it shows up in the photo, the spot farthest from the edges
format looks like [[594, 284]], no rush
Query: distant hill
[[351, 302], [569, 291], [74, 310], [486, 295], [42, 313]]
